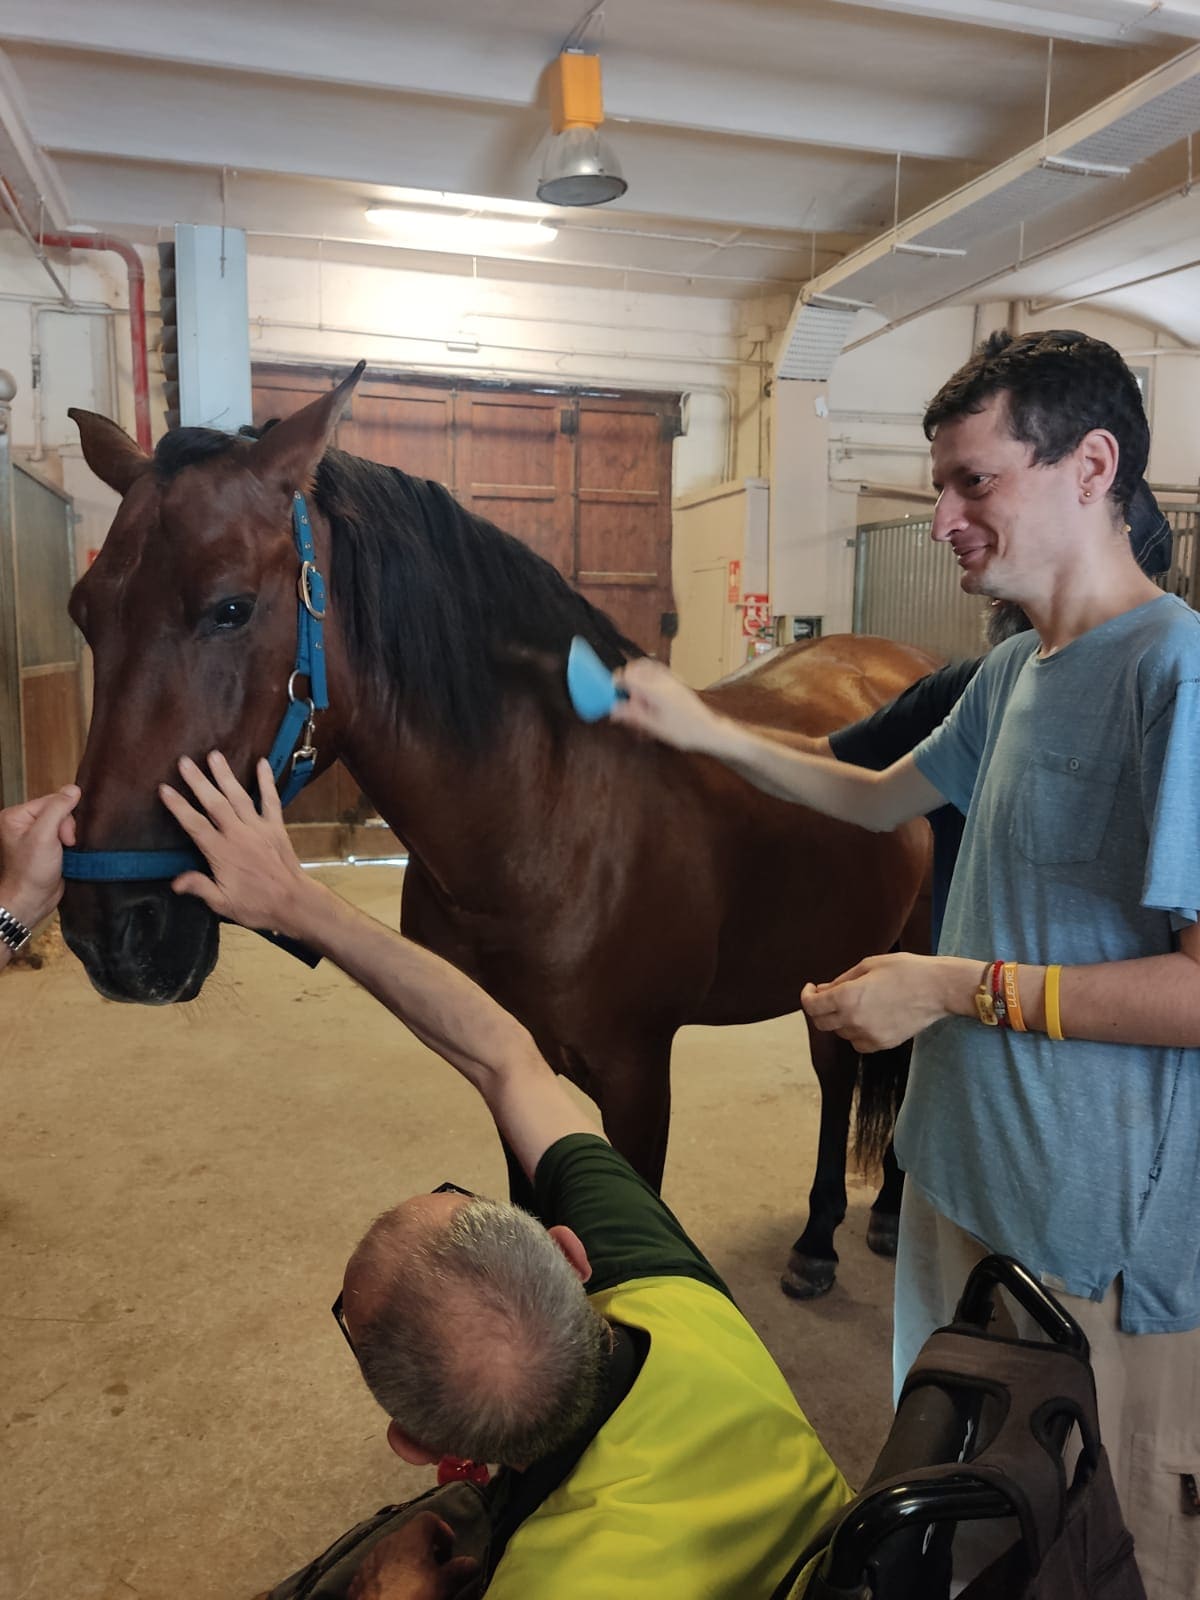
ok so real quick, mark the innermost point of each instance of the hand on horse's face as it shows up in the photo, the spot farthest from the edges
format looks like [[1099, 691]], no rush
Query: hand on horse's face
[[886, 999], [658, 703], [32, 836], [414, 1563], [256, 879]]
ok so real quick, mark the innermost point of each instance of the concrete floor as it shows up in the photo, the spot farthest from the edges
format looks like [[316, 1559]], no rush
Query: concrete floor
[[179, 1190]]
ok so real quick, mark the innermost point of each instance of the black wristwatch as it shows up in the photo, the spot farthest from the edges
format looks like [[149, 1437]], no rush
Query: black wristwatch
[[13, 931]]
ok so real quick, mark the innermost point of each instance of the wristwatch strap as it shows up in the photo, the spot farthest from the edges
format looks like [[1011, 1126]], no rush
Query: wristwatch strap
[[13, 931]]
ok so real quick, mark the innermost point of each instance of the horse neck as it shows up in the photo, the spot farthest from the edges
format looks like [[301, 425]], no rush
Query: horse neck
[[463, 814]]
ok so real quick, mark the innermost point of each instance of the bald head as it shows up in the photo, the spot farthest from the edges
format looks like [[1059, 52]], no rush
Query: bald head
[[472, 1329]]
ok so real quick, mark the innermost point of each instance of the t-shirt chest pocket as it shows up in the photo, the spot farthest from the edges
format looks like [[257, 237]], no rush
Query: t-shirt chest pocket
[[1063, 808]]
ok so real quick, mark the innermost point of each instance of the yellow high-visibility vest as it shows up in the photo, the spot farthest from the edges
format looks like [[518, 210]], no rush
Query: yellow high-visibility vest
[[705, 1482]]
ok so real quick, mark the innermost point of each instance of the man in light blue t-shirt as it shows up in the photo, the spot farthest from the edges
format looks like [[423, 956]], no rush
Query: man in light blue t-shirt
[[1053, 1109]]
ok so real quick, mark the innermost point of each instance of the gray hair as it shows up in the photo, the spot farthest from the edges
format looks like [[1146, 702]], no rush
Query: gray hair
[[481, 1342]]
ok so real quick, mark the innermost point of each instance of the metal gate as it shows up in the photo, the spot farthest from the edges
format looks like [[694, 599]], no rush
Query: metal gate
[[907, 588], [1183, 578]]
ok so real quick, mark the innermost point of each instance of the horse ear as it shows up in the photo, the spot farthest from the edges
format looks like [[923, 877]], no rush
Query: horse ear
[[108, 450], [287, 455]]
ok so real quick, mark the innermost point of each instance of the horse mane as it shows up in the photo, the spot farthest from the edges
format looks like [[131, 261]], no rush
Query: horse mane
[[439, 608]]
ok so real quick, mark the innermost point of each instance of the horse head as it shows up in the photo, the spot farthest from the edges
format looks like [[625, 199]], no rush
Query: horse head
[[190, 610]]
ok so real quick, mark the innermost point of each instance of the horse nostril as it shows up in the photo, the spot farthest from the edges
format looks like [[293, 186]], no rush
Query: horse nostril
[[144, 923]]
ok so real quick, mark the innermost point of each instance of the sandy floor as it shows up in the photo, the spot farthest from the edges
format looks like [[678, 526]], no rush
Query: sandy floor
[[178, 1192]]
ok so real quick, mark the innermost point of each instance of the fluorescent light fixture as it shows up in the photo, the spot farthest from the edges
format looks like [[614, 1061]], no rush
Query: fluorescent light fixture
[[926, 250], [1083, 169], [468, 235]]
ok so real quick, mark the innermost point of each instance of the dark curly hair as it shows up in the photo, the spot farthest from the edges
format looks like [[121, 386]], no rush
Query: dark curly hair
[[1059, 386]]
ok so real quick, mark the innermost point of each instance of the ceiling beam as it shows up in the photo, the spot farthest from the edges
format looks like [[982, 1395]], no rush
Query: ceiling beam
[[29, 172], [790, 78], [1113, 22]]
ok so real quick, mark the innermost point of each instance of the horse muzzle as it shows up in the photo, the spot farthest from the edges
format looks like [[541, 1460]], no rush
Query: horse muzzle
[[140, 942]]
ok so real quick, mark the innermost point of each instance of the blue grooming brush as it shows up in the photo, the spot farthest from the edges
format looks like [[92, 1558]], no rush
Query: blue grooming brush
[[589, 683]]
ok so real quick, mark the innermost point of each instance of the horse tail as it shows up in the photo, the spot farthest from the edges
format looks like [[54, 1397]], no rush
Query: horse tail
[[882, 1078]]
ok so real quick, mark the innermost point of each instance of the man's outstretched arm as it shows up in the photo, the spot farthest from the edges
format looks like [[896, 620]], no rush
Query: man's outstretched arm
[[658, 703], [257, 881]]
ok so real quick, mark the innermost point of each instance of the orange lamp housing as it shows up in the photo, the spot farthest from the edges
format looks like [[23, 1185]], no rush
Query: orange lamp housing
[[576, 100]]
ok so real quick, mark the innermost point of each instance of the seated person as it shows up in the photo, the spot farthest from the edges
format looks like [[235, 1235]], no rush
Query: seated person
[[680, 1462]]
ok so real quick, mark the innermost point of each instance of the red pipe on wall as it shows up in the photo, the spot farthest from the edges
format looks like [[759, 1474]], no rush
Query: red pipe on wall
[[137, 313]]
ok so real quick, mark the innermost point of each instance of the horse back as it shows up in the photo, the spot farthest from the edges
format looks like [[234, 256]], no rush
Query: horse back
[[820, 684]]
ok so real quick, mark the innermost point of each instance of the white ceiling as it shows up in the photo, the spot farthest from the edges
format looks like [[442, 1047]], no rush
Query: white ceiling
[[759, 137]]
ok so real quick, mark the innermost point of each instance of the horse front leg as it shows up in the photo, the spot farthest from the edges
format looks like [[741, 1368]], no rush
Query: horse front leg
[[631, 1084], [812, 1264]]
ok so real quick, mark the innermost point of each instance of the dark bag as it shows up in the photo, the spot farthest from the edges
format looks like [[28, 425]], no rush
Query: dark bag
[[979, 1436], [462, 1506]]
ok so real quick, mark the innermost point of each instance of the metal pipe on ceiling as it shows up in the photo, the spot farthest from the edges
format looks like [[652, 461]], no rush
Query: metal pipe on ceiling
[[9, 201], [670, 357], [528, 260], [1034, 307], [136, 277]]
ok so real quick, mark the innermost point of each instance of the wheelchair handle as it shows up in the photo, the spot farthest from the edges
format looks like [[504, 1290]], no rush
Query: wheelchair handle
[[878, 1516], [1003, 1272]]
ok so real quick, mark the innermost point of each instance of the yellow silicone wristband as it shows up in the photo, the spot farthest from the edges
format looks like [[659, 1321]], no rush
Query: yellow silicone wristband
[[1053, 1015]]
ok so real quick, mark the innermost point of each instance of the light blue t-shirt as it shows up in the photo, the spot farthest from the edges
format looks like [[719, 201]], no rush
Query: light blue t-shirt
[[1080, 777]]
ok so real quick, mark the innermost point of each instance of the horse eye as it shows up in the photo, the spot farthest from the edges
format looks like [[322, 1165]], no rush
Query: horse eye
[[227, 615]]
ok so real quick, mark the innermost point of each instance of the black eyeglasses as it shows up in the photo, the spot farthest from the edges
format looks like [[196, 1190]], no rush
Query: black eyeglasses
[[338, 1307]]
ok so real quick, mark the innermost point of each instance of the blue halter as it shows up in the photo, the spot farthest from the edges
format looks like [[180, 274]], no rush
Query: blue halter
[[293, 755]]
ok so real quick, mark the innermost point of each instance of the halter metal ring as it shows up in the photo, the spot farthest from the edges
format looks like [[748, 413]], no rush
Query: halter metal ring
[[304, 586], [301, 699]]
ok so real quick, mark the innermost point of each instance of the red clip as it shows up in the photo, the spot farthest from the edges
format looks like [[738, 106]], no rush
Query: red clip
[[452, 1469]]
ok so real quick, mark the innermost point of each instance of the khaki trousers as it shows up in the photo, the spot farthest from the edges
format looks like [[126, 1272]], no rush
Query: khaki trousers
[[1147, 1385]]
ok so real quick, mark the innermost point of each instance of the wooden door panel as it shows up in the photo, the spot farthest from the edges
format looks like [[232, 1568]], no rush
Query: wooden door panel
[[619, 541], [405, 428], [50, 711], [619, 449], [514, 467], [278, 394], [623, 539]]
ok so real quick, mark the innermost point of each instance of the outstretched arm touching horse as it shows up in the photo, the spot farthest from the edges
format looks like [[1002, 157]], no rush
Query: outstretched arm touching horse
[[659, 704], [257, 881], [888, 998]]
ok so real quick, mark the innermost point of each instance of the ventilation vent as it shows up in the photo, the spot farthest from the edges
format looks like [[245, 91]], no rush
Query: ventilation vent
[[1129, 128], [818, 334]]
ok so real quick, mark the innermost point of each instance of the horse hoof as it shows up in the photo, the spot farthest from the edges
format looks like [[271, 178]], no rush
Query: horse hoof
[[883, 1232], [807, 1278]]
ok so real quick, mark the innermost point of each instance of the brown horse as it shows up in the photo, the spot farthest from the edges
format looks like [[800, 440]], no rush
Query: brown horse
[[605, 889]]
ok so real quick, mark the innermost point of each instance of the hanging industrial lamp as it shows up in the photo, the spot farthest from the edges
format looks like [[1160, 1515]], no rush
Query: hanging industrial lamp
[[580, 168]]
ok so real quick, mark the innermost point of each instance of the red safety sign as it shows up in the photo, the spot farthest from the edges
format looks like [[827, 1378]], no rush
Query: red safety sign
[[756, 618]]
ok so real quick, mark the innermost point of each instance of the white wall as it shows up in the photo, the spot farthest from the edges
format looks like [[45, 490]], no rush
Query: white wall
[[875, 398], [341, 311], [338, 311]]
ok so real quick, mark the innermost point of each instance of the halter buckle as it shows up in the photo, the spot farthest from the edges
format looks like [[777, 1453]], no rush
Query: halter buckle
[[306, 750], [308, 571]]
